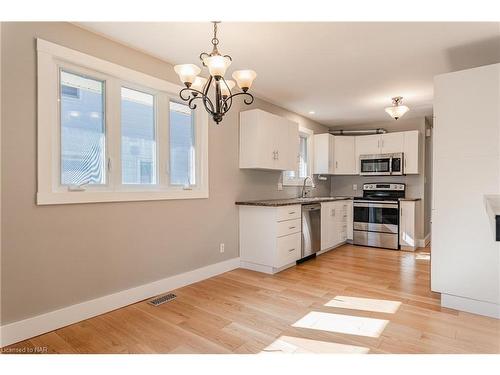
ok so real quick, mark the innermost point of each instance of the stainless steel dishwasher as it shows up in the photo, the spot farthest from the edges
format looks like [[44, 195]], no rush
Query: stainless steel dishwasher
[[311, 229]]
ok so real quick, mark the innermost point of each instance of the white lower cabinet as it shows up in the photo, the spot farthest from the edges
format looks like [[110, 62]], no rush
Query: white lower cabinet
[[270, 237], [335, 218], [408, 219], [350, 219]]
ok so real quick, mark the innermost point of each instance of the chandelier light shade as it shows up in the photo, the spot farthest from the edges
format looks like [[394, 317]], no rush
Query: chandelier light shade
[[244, 78], [218, 104], [187, 73], [225, 89], [397, 110], [198, 83]]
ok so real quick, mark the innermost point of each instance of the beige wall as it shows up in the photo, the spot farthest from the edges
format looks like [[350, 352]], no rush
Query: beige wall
[[415, 184], [55, 256]]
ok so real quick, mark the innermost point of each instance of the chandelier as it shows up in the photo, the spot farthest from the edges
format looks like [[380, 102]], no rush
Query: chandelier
[[397, 109], [199, 87]]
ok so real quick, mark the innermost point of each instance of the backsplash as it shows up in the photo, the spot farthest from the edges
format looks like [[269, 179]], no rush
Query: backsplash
[[342, 185]]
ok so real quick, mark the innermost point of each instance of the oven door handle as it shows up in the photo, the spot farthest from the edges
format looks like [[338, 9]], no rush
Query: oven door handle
[[376, 205]]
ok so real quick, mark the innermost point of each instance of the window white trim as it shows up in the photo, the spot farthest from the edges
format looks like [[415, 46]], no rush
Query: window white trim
[[50, 58], [299, 181]]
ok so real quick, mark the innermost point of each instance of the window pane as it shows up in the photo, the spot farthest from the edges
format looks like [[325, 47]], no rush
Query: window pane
[[303, 157], [182, 149], [82, 130], [138, 137]]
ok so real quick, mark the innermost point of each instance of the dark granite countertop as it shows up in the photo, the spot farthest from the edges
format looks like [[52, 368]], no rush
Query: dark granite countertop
[[290, 201]]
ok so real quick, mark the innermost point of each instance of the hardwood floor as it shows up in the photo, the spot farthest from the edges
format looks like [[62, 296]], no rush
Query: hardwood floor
[[349, 300]]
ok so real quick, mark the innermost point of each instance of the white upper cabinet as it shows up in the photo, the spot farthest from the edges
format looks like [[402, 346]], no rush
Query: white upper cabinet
[[334, 154], [391, 143], [323, 154], [367, 144], [411, 152], [344, 155], [268, 141]]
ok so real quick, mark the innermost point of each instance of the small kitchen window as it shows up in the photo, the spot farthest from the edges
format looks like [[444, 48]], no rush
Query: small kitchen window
[[304, 160]]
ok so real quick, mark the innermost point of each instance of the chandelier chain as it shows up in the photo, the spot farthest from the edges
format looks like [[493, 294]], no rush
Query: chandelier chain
[[215, 41]]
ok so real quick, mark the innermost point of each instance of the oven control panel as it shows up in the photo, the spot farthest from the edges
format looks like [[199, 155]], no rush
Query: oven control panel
[[383, 186]]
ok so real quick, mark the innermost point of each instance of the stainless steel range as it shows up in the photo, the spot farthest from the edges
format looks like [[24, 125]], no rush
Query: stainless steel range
[[376, 215]]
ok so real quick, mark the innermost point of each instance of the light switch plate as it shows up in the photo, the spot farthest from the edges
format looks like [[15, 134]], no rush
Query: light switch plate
[[354, 187], [280, 186]]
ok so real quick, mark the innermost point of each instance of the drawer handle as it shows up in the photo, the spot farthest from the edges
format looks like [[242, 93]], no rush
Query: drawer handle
[[291, 250], [291, 227], [291, 213]]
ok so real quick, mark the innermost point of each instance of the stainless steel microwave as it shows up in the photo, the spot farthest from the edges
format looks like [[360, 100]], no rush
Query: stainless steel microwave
[[381, 164]]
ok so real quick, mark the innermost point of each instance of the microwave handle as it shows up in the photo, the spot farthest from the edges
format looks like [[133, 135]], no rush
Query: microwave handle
[[390, 165]]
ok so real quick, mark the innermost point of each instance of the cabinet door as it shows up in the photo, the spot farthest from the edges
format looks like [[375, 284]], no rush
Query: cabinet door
[[350, 220], [340, 222], [407, 231], [391, 143], [323, 154], [344, 155], [328, 225], [411, 149], [257, 137], [280, 135], [366, 145], [293, 146]]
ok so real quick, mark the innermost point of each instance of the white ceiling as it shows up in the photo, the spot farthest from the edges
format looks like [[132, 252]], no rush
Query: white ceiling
[[345, 72]]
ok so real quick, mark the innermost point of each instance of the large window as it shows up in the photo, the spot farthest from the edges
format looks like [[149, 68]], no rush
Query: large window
[[109, 133], [83, 146], [304, 163], [182, 145], [138, 137]]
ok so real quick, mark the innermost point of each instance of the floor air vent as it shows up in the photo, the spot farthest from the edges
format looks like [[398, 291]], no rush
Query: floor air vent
[[162, 299]]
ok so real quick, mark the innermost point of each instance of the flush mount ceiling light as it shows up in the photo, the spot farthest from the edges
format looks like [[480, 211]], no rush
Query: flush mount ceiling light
[[397, 110], [198, 87]]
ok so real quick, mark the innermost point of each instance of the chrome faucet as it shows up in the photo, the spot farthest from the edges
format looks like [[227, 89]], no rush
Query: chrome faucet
[[304, 192]]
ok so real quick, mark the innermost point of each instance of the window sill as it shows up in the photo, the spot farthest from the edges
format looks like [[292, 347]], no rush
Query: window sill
[[74, 197]]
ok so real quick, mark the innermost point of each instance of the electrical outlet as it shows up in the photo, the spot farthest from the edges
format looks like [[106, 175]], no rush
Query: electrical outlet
[[221, 247], [280, 186], [354, 187]]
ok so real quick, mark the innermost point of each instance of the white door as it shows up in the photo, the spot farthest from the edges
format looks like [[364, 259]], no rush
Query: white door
[[344, 155], [391, 143], [410, 149]]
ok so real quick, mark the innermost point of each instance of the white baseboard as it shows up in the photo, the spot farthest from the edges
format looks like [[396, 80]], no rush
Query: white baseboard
[[470, 305], [37, 325], [332, 248], [425, 241], [264, 269]]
